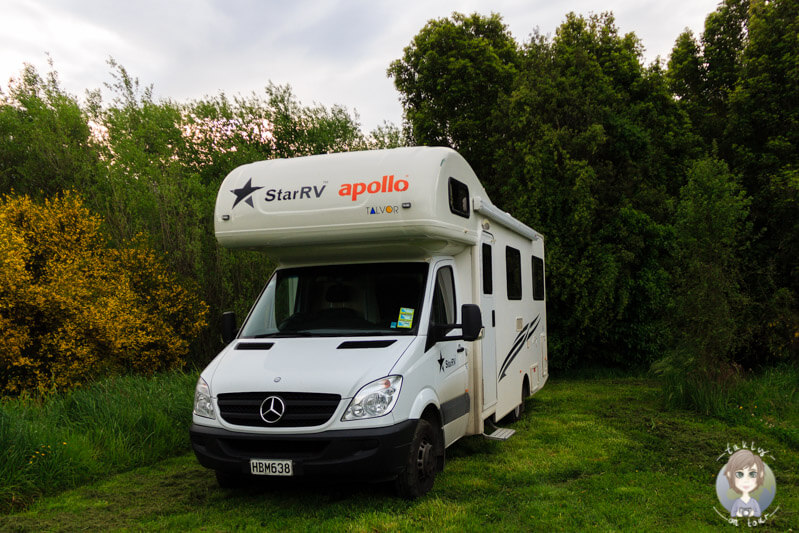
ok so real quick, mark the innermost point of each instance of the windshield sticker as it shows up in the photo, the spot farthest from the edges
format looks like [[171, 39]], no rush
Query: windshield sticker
[[405, 319]]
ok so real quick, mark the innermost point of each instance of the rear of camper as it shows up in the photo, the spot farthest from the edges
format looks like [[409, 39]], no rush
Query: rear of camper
[[406, 311]]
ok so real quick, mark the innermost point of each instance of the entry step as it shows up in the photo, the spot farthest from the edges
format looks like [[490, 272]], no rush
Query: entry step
[[500, 434]]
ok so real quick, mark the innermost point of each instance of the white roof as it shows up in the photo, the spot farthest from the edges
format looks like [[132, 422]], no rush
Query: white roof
[[385, 203]]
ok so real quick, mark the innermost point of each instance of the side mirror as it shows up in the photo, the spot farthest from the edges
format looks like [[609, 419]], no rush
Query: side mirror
[[471, 321], [471, 325], [229, 330]]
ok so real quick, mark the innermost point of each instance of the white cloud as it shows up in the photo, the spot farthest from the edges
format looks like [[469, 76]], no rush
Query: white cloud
[[331, 52]]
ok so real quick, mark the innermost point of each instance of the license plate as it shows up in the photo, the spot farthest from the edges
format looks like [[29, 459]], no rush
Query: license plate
[[271, 467]]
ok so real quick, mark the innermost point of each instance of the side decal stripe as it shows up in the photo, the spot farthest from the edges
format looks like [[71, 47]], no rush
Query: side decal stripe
[[519, 338], [517, 347]]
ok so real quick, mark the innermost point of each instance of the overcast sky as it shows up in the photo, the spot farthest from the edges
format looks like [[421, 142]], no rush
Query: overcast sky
[[329, 51]]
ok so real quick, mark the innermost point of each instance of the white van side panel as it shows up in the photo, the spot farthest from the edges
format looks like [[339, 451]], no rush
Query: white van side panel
[[518, 322]]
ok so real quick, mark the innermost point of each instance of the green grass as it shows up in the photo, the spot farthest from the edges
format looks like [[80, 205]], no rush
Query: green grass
[[588, 454], [768, 401], [89, 433]]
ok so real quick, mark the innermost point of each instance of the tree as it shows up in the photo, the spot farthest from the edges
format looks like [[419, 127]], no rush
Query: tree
[[44, 138], [739, 87], [167, 162], [152, 169], [713, 235], [763, 133], [450, 79], [704, 74], [595, 152]]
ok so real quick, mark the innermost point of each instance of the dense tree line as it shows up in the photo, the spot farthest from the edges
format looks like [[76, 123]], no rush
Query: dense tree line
[[668, 196], [151, 169]]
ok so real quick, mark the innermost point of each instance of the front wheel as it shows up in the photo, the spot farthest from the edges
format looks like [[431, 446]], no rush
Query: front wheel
[[227, 480], [422, 462]]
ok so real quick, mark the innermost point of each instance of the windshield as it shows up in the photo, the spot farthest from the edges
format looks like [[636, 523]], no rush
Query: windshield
[[337, 300]]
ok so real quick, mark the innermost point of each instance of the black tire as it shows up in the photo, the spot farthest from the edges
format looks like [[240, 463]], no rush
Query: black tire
[[422, 463], [516, 414], [227, 480]]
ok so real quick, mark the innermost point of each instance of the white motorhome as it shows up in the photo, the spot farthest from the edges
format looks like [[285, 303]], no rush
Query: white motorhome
[[407, 311]]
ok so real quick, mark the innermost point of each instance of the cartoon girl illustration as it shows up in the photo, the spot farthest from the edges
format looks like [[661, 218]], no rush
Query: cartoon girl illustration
[[745, 473]]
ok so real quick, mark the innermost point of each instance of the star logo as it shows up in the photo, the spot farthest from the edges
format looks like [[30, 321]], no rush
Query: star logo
[[441, 361], [245, 193]]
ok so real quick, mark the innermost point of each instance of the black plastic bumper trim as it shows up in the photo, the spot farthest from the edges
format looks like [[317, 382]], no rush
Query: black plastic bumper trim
[[376, 454], [455, 408]]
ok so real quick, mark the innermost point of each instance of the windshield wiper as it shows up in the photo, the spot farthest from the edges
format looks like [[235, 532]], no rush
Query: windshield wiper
[[282, 334], [329, 333]]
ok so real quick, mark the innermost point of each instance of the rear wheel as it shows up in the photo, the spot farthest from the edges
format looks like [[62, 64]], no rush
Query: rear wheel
[[422, 462], [516, 414]]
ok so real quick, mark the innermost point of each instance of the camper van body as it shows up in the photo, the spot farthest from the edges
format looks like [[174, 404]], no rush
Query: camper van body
[[353, 360]]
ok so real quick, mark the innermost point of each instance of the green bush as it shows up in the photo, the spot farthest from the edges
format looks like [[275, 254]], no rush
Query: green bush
[[72, 308]]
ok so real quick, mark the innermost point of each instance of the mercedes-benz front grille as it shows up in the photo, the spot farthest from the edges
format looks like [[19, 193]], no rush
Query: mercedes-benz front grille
[[299, 409]]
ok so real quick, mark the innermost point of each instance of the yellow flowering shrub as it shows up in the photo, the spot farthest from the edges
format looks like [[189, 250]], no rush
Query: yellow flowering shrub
[[72, 308]]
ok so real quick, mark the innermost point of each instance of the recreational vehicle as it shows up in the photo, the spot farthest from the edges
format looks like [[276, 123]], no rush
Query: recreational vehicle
[[407, 312]]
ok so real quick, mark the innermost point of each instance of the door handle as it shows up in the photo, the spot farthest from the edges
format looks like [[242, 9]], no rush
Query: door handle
[[460, 349]]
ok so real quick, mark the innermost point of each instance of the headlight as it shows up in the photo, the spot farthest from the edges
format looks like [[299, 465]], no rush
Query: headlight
[[375, 399], [203, 406]]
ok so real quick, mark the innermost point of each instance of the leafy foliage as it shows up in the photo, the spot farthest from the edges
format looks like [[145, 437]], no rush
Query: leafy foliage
[[596, 149], [152, 169], [450, 79], [623, 167], [713, 234], [578, 140], [167, 162], [72, 308], [764, 139], [739, 85], [44, 138]]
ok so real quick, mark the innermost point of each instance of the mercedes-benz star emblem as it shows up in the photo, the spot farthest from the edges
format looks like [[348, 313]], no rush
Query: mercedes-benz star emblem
[[272, 409]]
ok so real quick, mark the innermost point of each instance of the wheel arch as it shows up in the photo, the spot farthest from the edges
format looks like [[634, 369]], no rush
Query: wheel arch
[[426, 402], [427, 407]]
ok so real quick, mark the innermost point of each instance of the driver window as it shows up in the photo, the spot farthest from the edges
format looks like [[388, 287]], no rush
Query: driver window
[[443, 310]]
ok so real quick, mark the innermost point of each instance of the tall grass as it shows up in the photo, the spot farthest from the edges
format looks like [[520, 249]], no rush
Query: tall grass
[[768, 400], [106, 427]]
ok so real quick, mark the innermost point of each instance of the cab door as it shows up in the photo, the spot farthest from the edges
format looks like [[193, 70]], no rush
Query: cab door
[[450, 357]]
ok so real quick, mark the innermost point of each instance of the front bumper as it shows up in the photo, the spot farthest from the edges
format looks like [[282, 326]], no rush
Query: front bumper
[[376, 454]]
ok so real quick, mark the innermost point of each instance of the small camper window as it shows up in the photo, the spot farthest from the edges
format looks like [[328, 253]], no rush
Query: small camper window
[[538, 278], [513, 271], [488, 276], [458, 198]]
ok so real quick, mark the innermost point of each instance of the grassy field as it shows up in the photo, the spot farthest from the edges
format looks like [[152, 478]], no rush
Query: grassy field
[[588, 454], [86, 434]]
